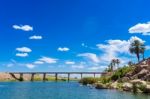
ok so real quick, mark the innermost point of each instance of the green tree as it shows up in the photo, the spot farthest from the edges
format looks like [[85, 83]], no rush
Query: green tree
[[142, 51], [136, 47], [118, 62]]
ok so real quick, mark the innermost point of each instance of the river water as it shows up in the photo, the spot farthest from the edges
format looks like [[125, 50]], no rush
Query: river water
[[60, 90]]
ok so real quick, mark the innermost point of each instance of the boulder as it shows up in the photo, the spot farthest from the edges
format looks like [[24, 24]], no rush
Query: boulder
[[147, 89], [100, 86], [114, 85], [127, 86], [138, 82], [142, 73]]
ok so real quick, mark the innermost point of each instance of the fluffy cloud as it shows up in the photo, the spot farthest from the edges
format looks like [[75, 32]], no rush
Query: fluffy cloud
[[30, 66], [38, 62], [93, 57], [24, 49], [10, 65], [47, 60], [69, 62], [23, 27], [143, 28], [22, 54], [35, 37], [63, 49], [116, 49]]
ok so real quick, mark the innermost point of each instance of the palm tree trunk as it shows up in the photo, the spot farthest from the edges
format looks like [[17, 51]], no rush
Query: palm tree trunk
[[143, 56], [138, 57]]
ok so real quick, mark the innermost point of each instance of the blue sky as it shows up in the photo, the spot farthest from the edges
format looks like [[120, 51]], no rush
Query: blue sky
[[70, 35]]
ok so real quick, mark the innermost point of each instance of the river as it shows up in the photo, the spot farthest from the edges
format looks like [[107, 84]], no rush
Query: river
[[60, 90]]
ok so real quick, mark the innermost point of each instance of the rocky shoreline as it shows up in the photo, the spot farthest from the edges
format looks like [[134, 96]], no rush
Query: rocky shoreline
[[136, 86], [134, 78]]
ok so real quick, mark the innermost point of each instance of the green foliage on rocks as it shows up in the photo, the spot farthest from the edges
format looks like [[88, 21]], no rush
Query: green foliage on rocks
[[121, 72]]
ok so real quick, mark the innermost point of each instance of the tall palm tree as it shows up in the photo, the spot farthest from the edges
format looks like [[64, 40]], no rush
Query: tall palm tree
[[113, 63], [136, 48], [143, 52], [117, 62]]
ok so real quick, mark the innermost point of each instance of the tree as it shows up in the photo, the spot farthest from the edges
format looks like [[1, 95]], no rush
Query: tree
[[143, 52], [136, 47], [113, 63], [117, 62]]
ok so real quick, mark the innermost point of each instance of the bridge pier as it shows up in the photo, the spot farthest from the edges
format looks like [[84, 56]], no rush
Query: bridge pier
[[21, 77], [44, 77], [68, 77], [94, 75], [56, 77], [32, 76], [81, 75]]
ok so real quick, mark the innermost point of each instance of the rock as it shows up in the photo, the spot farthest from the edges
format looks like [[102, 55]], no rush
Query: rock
[[127, 86], [139, 82], [142, 73], [147, 89], [124, 79], [100, 86], [114, 85]]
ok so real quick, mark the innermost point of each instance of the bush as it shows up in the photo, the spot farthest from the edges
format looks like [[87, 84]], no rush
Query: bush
[[88, 80], [121, 73], [105, 79]]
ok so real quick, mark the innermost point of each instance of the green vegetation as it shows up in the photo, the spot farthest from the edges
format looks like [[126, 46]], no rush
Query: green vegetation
[[88, 80], [121, 72], [137, 48]]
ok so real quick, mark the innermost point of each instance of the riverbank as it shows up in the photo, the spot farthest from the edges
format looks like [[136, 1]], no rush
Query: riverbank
[[134, 78]]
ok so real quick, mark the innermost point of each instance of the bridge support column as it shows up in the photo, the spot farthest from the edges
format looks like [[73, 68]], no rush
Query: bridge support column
[[56, 77], [32, 77], [21, 77], [81, 75], [94, 75], [68, 77], [44, 77]]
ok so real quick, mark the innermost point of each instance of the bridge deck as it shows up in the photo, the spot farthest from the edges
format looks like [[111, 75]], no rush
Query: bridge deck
[[57, 72]]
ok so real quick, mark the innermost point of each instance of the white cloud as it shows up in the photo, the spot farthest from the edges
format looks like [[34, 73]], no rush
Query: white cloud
[[143, 28], [38, 62], [30, 66], [23, 27], [116, 49], [69, 62], [10, 65], [48, 60], [22, 54], [35, 37], [63, 49], [24, 49], [93, 57], [84, 45]]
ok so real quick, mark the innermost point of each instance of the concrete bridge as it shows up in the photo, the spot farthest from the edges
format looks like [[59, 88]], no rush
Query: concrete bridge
[[55, 73]]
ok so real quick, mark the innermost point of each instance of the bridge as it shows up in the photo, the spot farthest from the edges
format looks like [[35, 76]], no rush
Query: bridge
[[55, 73]]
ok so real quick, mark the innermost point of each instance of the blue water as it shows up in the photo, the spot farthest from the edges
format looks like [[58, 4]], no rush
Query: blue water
[[59, 90]]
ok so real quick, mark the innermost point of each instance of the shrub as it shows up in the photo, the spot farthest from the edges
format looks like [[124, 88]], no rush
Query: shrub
[[88, 80], [105, 79], [121, 73]]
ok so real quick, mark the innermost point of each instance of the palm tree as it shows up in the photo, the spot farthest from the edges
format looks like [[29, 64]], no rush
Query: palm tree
[[113, 63], [117, 62], [143, 52], [136, 48]]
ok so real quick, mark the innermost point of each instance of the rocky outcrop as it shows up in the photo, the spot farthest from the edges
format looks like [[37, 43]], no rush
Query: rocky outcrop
[[141, 71], [127, 86], [101, 86]]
